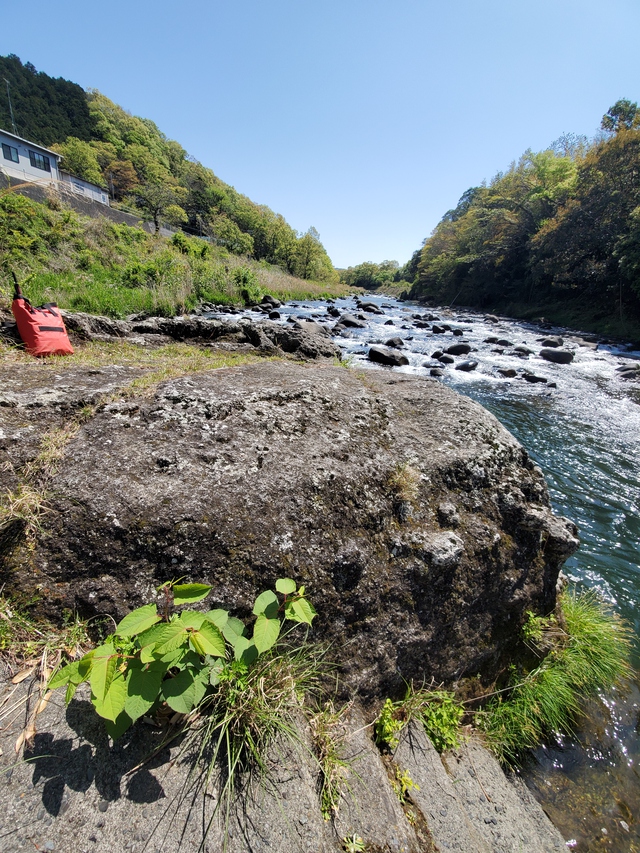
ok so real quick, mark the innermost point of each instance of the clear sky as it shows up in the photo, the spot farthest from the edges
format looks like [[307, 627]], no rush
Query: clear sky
[[365, 119]]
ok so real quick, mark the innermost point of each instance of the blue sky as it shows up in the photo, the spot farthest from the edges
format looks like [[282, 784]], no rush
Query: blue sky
[[367, 120]]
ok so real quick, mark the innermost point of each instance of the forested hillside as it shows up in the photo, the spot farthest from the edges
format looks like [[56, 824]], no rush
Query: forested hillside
[[557, 233], [102, 143]]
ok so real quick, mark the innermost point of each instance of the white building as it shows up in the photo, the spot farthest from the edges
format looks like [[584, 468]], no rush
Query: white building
[[25, 161]]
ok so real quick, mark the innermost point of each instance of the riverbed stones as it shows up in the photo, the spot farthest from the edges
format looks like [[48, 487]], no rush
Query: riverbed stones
[[552, 341], [352, 322], [395, 343], [458, 349], [467, 366], [386, 356], [557, 356], [277, 469]]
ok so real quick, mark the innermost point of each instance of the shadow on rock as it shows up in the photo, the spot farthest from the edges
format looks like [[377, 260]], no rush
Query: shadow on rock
[[76, 763]]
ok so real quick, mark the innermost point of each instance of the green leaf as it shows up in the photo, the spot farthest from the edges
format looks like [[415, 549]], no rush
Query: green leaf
[[84, 666], [218, 617], [190, 593], [186, 690], [233, 629], [143, 687], [267, 603], [286, 586], [138, 621], [115, 730], [191, 619], [265, 632], [63, 675], [105, 662], [300, 610], [245, 650], [214, 672], [113, 702], [173, 635], [71, 690], [208, 641]]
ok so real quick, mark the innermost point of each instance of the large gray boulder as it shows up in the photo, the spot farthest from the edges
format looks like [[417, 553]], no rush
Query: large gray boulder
[[239, 476]]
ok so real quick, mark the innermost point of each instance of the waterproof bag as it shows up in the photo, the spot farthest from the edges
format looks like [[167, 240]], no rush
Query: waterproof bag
[[42, 329]]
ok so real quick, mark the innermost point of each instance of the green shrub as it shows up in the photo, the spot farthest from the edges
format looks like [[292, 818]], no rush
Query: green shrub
[[182, 659], [436, 710]]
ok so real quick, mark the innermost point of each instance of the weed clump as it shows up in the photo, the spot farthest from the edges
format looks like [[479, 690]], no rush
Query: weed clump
[[590, 654]]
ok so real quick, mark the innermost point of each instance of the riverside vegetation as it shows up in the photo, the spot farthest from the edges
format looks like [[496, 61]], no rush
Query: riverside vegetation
[[113, 269]]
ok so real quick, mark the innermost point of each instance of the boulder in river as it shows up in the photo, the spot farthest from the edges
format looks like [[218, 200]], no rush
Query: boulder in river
[[395, 343], [467, 366], [370, 307], [458, 349], [557, 356], [552, 341], [352, 322], [386, 356]]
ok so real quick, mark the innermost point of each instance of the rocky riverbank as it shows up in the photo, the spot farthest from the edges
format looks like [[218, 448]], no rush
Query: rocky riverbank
[[419, 526]]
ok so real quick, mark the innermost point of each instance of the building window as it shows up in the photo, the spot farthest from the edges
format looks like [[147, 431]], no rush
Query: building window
[[10, 153], [39, 161]]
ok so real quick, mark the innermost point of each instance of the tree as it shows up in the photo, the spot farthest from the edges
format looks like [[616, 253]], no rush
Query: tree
[[622, 115], [80, 159], [158, 200]]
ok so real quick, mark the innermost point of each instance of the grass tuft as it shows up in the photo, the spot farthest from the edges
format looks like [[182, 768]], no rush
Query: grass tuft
[[590, 654]]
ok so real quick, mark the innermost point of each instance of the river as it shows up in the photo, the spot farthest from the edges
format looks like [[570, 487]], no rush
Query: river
[[585, 435]]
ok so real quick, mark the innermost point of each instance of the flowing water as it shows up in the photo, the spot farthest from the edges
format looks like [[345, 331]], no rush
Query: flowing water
[[585, 435]]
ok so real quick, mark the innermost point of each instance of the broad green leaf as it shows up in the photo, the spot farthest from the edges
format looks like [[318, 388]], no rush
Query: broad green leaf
[[186, 690], [63, 675], [286, 586], [170, 639], [214, 672], [208, 641], [71, 691], [267, 603], [265, 632], [115, 730], [191, 619], [84, 666], [143, 687], [300, 610], [112, 705], [105, 662], [138, 621], [245, 650], [190, 593], [233, 629], [218, 617]]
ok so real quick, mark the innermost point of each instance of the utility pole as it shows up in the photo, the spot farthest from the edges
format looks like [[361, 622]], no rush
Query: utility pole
[[13, 122]]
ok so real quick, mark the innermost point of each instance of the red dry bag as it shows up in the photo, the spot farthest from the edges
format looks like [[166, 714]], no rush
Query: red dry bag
[[42, 329]]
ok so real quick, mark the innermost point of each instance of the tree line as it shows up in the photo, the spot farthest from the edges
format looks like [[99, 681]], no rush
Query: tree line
[[102, 143], [560, 226]]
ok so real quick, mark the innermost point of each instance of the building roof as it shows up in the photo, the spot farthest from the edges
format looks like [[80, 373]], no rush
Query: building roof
[[33, 144]]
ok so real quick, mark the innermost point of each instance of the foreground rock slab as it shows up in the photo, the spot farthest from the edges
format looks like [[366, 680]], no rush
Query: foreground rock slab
[[74, 791]]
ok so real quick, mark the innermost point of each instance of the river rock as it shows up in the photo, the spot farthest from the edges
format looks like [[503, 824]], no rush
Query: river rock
[[395, 343], [531, 377], [238, 476], [467, 366], [385, 356], [269, 300], [552, 341], [507, 372], [370, 307], [438, 330], [522, 350], [458, 349], [388, 322], [557, 356], [352, 322], [446, 359], [436, 372]]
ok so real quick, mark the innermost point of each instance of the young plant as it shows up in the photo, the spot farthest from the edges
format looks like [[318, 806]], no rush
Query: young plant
[[353, 844], [436, 710], [333, 768], [178, 658]]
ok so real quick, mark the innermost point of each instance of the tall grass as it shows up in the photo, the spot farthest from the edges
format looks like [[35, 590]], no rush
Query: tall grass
[[590, 654]]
